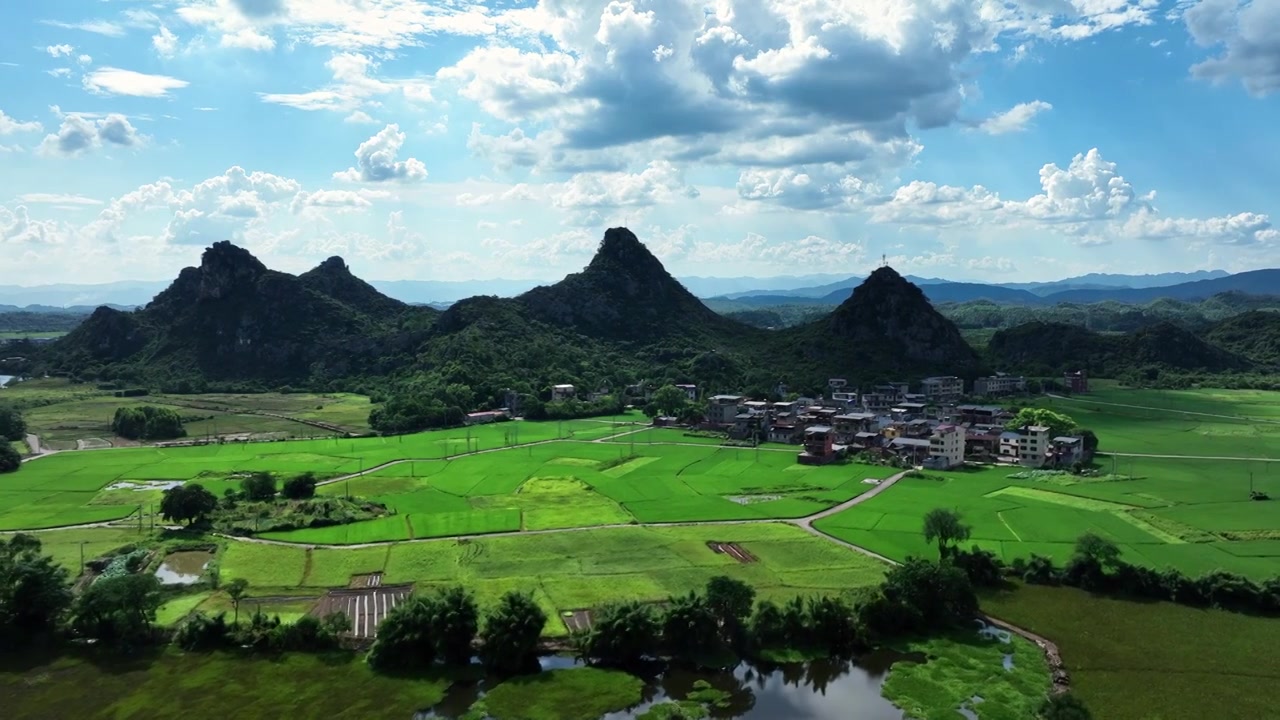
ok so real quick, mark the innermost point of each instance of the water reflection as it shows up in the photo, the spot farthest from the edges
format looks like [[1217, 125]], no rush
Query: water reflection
[[818, 690], [183, 568]]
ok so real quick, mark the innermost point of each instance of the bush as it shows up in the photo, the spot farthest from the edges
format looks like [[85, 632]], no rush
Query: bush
[[10, 460], [258, 486], [12, 425], [203, 632], [300, 487]]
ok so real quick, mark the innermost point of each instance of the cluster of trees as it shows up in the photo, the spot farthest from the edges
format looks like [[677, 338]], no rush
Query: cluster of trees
[[1096, 566], [201, 631], [1058, 424], [147, 422], [444, 626], [671, 401], [414, 412], [13, 427], [192, 502], [533, 408]]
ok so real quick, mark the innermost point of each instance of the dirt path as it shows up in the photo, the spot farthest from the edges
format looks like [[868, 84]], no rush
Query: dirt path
[[1167, 410], [1193, 457], [880, 487]]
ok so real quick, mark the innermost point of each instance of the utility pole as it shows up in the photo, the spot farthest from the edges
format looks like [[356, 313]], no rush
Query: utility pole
[[82, 542], [139, 517]]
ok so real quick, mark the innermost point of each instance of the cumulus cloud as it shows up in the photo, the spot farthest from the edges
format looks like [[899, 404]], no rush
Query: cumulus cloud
[[114, 81], [376, 160], [1015, 119], [248, 39], [165, 42], [354, 85], [343, 200], [744, 82], [59, 50], [1089, 202], [660, 182], [9, 125], [80, 133], [16, 226], [1247, 38]]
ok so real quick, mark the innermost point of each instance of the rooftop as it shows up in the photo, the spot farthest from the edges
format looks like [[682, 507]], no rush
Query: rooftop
[[726, 398], [910, 442], [817, 429]]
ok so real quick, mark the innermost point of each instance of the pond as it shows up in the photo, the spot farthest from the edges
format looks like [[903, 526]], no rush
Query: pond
[[4, 380], [183, 568], [818, 690]]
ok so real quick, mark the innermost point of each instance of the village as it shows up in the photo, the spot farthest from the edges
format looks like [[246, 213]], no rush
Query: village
[[934, 428]]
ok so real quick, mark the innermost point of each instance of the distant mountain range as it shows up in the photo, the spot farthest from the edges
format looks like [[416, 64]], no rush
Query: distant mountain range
[[1254, 282], [825, 289]]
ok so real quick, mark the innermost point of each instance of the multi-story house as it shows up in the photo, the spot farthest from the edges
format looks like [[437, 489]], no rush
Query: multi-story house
[[999, 384], [722, 410], [943, 388], [946, 447], [561, 392]]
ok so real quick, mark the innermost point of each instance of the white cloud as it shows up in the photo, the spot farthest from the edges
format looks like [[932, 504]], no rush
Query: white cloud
[[9, 125], [1088, 202], [59, 50], [165, 42], [56, 199], [80, 133], [248, 39], [98, 27], [1247, 36], [376, 160], [353, 86], [660, 182], [84, 59], [359, 117], [114, 81], [16, 226], [1015, 119]]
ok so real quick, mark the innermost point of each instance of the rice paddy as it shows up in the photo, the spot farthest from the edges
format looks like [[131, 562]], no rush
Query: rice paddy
[[568, 570]]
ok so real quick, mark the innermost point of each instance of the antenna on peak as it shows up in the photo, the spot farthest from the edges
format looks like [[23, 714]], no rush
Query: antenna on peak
[[884, 261]]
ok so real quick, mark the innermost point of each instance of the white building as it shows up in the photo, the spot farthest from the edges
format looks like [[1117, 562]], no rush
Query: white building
[[561, 392], [1000, 384], [1028, 447], [690, 391], [946, 447]]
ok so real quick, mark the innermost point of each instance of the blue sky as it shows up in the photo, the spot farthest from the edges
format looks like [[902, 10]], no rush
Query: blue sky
[[995, 140]]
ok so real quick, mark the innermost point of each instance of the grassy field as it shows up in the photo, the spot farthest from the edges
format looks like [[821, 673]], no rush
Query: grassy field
[[30, 334], [576, 484], [965, 666], [1194, 515], [1249, 426], [569, 570], [62, 413], [209, 686], [68, 488], [1154, 661]]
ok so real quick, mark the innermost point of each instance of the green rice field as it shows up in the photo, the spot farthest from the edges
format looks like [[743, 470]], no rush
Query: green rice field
[[71, 488], [1153, 661], [1194, 515], [1215, 423], [568, 570]]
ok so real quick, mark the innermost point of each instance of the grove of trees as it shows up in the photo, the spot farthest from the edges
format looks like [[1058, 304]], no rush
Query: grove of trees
[[187, 503], [12, 425], [10, 460], [147, 422]]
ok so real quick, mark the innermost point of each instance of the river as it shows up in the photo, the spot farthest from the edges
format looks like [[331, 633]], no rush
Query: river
[[818, 690]]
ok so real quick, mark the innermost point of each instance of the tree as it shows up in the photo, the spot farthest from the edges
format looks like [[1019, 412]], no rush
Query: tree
[[731, 602], [259, 486], [1098, 550], [147, 422], [10, 460], [12, 425], [236, 590], [689, 627], [767, 626], [945, 527], [921, 596], [651, 410], [670, 399], [300, 487], [832, 625], [1057, 423], [622, 634], [455, 622], [511, 633], [187, 503], [1063, 707], [118, 611], [34, 590], [406, 637], [1088, 441]]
